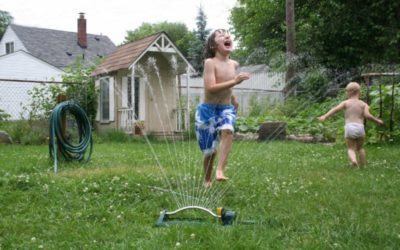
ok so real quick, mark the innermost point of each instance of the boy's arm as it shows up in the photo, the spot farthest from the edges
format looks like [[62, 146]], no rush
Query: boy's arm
[[370, 117], [210, 83], [333, 111]]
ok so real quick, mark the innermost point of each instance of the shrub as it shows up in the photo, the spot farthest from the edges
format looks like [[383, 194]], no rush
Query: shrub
[[3, 115]]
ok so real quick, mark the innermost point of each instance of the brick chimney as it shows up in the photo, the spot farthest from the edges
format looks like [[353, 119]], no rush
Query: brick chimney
[[82, 35]]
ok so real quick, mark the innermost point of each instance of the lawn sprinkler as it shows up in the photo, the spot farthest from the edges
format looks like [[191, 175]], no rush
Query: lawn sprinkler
[[225, 217]]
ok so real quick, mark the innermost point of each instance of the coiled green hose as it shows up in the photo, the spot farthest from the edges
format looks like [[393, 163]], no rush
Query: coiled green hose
[[57, 140]]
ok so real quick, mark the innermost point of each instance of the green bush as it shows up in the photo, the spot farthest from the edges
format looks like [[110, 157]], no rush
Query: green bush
[[27, 132], [3, 115], [381, 103]]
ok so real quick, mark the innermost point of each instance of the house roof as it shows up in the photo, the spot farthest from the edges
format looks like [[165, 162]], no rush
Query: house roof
[[60, 48], [124, 56]]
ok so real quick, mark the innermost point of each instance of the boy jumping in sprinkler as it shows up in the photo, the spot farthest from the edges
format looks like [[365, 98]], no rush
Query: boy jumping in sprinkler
[[355, 113], [216, 116]]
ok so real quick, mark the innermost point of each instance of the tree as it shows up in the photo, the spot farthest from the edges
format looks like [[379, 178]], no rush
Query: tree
[[259, 29], [178, 32], [81, 87], [5, 20], [351, 34], [338, 34], [197, 44], [290, 46]]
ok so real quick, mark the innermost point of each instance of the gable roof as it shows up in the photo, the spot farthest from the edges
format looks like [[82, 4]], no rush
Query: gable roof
[[124, 56], [60, 48]]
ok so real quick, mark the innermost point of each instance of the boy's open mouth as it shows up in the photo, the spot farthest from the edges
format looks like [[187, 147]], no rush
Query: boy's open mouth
[[227, 43]]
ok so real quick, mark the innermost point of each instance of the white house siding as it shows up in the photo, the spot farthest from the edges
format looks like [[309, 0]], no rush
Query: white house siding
[[22, 68], [10, 36], [263, 85]]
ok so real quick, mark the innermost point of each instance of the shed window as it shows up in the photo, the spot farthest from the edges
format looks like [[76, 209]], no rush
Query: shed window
[[9, 47]]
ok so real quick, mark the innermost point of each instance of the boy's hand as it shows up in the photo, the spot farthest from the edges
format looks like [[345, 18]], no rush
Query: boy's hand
[[236, 105], [239, 78], [322, 118], [379, 121]]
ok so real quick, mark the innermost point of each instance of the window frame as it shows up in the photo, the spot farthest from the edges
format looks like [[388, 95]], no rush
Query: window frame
[[9, 47]]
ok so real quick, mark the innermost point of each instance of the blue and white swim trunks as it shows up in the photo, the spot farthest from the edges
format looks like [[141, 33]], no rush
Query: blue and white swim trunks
[[210, 119]]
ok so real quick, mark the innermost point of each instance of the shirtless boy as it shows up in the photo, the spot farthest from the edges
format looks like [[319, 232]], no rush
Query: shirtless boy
[[216, 116]]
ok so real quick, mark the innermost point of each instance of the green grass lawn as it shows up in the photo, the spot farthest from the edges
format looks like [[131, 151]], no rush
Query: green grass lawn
[[296, 196]]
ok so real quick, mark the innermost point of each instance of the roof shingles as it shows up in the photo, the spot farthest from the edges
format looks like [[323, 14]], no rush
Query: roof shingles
[[60, 48], [124, 55]]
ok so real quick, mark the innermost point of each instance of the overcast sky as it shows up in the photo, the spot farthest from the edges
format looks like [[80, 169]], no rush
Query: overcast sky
[[114, 18]]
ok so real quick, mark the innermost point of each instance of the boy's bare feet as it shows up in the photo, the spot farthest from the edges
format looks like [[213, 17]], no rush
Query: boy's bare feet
[[207, 184], [354, 164], [221, 177]]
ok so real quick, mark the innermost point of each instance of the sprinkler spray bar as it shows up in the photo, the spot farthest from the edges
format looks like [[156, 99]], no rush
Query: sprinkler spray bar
[[224, 217]]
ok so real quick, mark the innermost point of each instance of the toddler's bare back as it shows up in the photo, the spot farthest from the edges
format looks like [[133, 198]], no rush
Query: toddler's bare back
[[354, 111]]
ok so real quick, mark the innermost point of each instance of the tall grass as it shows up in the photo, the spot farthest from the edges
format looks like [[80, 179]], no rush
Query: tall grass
[[297, 196]]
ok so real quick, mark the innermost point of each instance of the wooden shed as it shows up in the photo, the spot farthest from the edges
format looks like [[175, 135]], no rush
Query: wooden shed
[[150, 102]]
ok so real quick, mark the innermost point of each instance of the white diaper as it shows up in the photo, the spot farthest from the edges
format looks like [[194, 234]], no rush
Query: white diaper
[[353, 130]]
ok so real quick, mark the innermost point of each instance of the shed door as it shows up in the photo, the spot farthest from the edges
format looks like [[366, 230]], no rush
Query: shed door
[[136, 91]]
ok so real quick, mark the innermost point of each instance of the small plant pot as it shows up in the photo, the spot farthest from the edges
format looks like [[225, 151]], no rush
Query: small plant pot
[[139, 129]]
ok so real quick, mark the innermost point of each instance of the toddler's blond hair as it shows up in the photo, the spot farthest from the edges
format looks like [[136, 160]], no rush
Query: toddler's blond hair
[[353, 88]]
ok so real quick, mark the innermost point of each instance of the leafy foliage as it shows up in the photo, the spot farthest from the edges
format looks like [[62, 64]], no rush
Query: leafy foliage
[[43, 100], [258, 25], [80, 86], [178, 32], [5, 20], [381, 104], [3, 115], [339, 34], [301, 115]]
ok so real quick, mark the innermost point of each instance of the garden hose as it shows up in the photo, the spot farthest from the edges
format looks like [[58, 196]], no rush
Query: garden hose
[[58, 141]]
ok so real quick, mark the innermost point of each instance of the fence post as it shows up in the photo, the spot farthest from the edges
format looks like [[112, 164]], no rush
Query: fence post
[[392, 107], [61, 98]]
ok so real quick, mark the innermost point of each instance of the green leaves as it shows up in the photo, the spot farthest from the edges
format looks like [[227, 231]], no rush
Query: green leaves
[[339, 34], [5, 20], [178, 32]]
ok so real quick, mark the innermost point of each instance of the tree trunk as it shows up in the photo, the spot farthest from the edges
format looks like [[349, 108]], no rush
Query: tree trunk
[[290, 48]]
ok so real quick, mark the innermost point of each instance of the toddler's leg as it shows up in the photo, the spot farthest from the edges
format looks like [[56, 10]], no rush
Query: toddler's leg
[[361, 151], [225, 148], [351, 151]]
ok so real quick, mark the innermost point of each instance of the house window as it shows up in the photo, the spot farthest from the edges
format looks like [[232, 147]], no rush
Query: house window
[[9, 47], [105, 99]]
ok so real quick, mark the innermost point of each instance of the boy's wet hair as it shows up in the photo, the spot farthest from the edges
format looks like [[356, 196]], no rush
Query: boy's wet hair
[[353, 88], [210, 46]]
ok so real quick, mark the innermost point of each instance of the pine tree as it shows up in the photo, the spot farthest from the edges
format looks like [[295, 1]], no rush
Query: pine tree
[[197, 44]]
